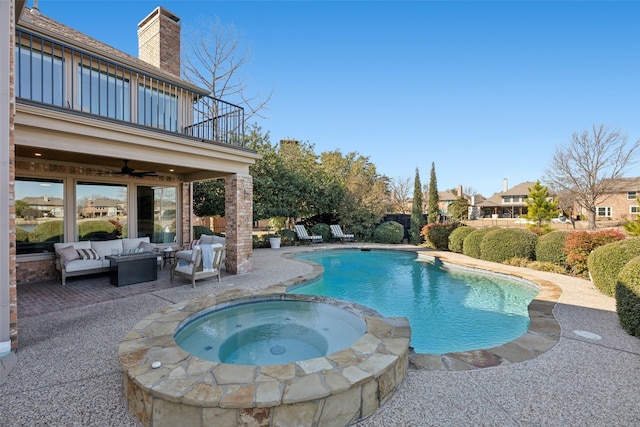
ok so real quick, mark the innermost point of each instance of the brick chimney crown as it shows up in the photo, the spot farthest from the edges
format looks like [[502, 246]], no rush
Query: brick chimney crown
[[159, 40]]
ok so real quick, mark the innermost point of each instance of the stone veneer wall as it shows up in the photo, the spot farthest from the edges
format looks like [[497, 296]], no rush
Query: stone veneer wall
[[239, 216]]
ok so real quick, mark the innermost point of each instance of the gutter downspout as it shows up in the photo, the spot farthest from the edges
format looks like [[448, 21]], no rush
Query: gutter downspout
[[6, 10]]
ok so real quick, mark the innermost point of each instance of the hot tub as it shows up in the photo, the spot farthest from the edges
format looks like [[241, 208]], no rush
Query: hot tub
[[166, 385]]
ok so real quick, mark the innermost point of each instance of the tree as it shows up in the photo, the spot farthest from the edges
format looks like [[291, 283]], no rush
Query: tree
[[399, 188], [459, 209], [433, 211], [590, 165], [540, 207], [208, 198], [213, 56], [20, 206], [417, 215]]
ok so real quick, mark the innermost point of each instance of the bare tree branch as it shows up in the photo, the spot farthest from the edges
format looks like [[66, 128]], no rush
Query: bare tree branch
[[587, 169], [213, 57]]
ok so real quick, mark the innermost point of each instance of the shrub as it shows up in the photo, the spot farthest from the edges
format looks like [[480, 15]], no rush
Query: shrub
[[605, 263], [22, 235], [471, 243], [579, 244], [50, 231], [550, 248], [322, 229], [388, 232], [288, 237], [502, 244], [628, 297], [436, 236], [547, 266], [199, 230], [456, 238], [92, 229]]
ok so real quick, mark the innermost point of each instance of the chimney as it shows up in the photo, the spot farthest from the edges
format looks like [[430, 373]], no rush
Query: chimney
[[505, 185], [460, 191], [159, 40]]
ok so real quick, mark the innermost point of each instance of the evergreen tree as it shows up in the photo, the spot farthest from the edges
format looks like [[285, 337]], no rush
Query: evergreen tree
[[540, 207], [433, 211], [417, 216]]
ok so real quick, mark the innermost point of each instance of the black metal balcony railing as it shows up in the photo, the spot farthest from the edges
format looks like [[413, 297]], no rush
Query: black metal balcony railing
[[61, 76]]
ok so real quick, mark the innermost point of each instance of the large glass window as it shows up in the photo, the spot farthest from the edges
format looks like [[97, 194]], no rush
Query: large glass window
[[101, 210], [604, 211], [104, 94], [157, 213], [157, 108], [39, 214], [39, 75]]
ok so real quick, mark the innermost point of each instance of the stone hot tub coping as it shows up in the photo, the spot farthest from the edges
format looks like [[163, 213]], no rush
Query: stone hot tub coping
[[336, 389]]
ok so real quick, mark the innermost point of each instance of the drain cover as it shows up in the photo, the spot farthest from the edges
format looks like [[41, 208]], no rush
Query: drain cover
[[277, 350], [587, 334]]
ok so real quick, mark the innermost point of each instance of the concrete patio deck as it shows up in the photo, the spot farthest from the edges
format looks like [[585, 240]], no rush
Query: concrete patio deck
[[67, 371]]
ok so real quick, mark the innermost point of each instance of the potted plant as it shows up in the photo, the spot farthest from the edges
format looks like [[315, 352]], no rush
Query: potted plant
[[276, 224]]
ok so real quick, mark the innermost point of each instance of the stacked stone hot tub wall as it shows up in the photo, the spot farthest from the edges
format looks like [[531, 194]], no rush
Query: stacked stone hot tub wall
[[335, 390]]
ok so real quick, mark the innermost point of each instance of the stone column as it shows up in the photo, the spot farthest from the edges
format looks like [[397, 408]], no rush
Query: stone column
[[238, 207]]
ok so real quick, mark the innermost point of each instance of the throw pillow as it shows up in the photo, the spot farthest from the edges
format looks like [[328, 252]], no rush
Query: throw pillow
[[88, 254], [146, 246], [68, 254], [194, 243]]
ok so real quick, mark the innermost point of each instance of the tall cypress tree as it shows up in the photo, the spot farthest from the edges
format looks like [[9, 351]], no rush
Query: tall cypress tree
[[417, 216], [433, 211]]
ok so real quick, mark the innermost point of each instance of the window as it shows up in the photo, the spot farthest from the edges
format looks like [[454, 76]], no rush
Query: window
[[39, 75], [39, 214], [632, 195], [604, 211], [157, 213], [102, 211], [634, 210], [157, 108], [104, 94]]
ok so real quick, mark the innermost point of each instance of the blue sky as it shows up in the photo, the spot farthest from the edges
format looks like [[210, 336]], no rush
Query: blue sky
[[485, 90]]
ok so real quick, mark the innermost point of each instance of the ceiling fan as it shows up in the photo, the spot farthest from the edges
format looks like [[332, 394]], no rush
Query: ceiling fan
[[126, 170]]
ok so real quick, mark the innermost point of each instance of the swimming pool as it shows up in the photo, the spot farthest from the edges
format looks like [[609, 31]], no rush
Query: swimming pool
[[448, 310]]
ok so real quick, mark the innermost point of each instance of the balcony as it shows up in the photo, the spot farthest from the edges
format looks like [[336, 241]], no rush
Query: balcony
[[53, 75]]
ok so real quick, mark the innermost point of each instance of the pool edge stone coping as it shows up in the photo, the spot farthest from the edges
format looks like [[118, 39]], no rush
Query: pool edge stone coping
[[543, 332], [336, 389]]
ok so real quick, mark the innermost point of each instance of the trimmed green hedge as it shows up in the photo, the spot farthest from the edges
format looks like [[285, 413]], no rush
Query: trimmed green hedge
[[606, 262], [287, 237], [505, 243], [22, 235], [90, 229], [550, 248], [388, 232], [436, 236], [579, 244], [628, 297], [456, 238], [471, 244], [50, 231]]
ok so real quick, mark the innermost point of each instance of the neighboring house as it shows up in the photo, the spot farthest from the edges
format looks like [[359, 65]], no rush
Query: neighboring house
[[619, 204], [74, 109], [101, 208], [510, 203], [51, 207]]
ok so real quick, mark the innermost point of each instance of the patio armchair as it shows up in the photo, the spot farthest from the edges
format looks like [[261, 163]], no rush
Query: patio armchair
[[303, 235], [201, 262]]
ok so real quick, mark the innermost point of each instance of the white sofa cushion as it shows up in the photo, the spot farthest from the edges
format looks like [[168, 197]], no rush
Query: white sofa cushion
[[104, 247], [133, 242], [84, 264], [206, 239]]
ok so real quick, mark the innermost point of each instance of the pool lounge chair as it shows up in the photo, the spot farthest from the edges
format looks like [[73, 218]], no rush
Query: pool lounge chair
[[338, 234], [303, 235]]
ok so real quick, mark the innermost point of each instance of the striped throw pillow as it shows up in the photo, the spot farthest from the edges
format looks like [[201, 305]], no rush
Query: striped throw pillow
[[88, 254]]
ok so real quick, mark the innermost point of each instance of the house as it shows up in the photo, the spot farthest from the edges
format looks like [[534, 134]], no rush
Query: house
[[510, 203], [619, 204], [82, 120]]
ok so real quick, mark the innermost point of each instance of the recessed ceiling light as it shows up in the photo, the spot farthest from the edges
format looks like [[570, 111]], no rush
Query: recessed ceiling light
[[171, 170], [37, 154]]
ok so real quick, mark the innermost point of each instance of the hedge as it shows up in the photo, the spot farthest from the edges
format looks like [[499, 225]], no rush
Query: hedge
[[606, 262], [505, 243], [579, 244], [50, 231], [322, 229], [628, 297], [550, 248], [388, 232], [471, 243], [456, 238], [436, 236]]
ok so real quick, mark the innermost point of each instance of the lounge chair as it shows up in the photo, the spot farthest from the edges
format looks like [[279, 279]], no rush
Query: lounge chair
[[337, 233], [198, 263], [304, 235]]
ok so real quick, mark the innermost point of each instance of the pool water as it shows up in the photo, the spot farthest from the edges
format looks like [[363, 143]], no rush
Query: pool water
[[270, 332], [448, 310]]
